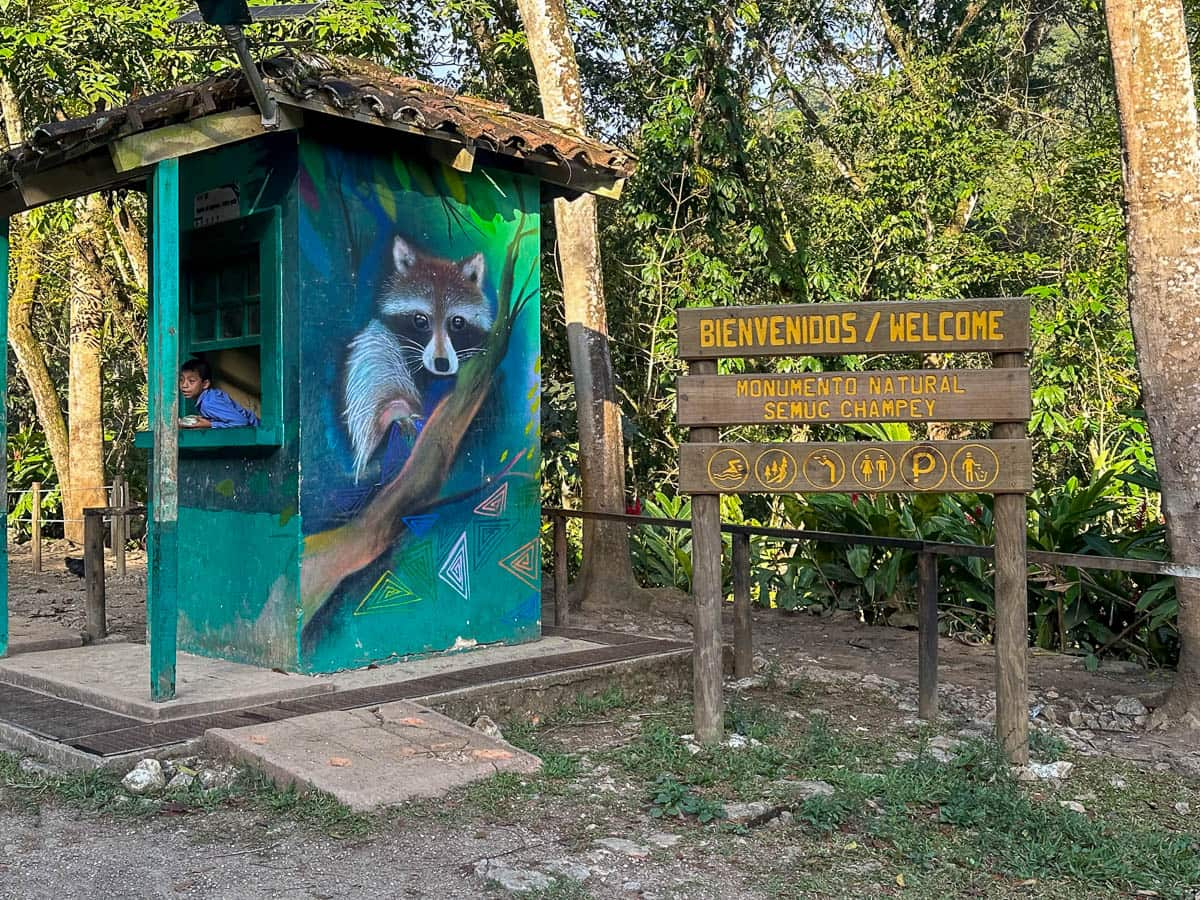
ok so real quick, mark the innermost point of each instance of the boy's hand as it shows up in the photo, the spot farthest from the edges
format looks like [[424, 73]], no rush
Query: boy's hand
[[195, 422]]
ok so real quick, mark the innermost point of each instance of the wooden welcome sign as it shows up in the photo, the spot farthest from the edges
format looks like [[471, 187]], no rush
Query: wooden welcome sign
[[1001, 465]]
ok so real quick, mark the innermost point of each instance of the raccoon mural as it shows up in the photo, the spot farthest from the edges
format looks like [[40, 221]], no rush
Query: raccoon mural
[[431, 315]]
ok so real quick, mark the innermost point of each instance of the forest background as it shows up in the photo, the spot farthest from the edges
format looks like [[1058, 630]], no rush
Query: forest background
[[790, 151]]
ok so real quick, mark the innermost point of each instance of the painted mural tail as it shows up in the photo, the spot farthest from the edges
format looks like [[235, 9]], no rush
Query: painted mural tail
[[334, 555]]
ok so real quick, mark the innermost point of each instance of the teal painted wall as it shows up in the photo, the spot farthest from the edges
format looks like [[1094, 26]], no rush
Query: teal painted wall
[[239, 532], [385, 239], [284, 561]]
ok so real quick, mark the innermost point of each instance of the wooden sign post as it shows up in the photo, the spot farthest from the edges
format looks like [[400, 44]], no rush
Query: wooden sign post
[[1001, 465]]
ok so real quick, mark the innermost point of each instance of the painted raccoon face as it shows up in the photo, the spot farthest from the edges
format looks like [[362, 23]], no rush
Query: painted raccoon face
[[436, 308]]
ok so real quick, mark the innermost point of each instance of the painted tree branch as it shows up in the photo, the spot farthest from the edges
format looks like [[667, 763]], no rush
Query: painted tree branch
[[333, 555]]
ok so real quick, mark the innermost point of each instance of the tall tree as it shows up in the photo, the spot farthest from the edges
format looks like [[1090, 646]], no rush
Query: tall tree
[[607, 570], [1161, 141], [91, 291]]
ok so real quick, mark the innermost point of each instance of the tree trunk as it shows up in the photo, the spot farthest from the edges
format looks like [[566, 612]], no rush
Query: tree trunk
[[88, 288], [26, 254], [1161, 145], [607, 572]]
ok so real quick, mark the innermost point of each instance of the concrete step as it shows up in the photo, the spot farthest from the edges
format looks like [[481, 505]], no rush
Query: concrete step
[[371, 758]]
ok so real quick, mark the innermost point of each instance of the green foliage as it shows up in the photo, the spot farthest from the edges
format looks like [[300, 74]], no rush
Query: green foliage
[[29, 462], [670, 798]]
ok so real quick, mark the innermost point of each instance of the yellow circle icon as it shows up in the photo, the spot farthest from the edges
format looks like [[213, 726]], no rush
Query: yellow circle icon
[[775, 469], [975, 467], [728, 469], [873, 469], [824, 469], [923, 467]]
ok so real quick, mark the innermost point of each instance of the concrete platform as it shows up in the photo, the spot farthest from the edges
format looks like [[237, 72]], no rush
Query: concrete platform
[[370, 758], [116, 678], [36, 636], [89, 707]]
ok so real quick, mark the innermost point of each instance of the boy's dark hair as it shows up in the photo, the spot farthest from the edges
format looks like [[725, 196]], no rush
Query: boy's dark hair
[[200, 367]]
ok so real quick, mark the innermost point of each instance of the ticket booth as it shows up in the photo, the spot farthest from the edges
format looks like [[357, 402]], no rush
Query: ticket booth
[[364, 278]]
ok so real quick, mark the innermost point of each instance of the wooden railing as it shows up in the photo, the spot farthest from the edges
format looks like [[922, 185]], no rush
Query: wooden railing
[[927, 579]]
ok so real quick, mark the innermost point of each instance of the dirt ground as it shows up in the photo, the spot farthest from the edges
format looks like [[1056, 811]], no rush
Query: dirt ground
[[592, 822], [56, 595], [1058, 683]]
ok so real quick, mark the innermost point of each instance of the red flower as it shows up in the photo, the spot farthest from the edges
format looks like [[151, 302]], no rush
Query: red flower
[[633, 507], [854, 499]]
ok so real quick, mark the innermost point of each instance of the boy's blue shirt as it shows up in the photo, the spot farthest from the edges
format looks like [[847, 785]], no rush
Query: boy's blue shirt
[[221, 409]]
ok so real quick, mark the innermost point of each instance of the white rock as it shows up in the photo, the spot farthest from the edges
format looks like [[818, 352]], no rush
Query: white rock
[[746, 684], [181, 782], [511, 879], [1043, 771], [627, 847], [145, 778], [663, 839], [632, 887], [217, 779], [568, 868], [1130, 706], [1183, 808], [806, 790], [1060, 769], [488, 727], [749, 813], [1073, 805], [31, 766], [1118, 782]]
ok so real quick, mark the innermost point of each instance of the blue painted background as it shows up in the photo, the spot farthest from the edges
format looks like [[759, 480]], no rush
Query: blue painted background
[[468, 570]]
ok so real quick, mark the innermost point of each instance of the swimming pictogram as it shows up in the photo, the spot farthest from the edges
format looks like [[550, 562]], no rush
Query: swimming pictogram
[[728, 469]]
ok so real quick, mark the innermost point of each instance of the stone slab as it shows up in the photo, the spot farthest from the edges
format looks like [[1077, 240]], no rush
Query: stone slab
[[35, 636], [371, 758], [116, 677]]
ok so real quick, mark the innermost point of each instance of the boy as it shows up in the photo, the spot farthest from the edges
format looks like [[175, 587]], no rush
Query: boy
[[215, 408]]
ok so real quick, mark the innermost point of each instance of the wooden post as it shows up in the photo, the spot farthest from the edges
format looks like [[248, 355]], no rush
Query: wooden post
[[36, 527], [4, 431], [93, 574], [114, 527], [562, 612], [743, 628], [708, 710], [121, 522], [162, 583], [927, 676], [1012, 603]]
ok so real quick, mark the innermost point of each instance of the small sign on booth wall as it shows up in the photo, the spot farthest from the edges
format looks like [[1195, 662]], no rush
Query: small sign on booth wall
[[221, 204]]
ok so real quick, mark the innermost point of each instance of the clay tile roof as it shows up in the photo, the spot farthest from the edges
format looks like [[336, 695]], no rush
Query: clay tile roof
[[338, 86]]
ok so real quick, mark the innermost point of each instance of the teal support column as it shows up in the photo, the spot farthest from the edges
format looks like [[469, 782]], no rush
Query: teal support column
[[162, 601], [4, 430]]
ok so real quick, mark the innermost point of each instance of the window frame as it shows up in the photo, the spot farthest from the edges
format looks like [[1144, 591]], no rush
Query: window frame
[[213, 243]]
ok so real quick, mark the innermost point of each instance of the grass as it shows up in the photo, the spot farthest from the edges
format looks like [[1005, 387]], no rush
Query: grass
[[920, 827], [101, 792], [924, 827]]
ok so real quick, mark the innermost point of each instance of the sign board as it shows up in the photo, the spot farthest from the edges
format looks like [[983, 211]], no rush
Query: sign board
[[836, 329], [960, 395], [994, 466]]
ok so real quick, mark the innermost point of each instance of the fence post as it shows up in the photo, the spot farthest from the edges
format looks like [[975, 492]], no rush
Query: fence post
[[562, 612], [120, 521], [36, 514], [93, 573], [708, 703], [927, 619], [1012, 602], [743, 634]]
